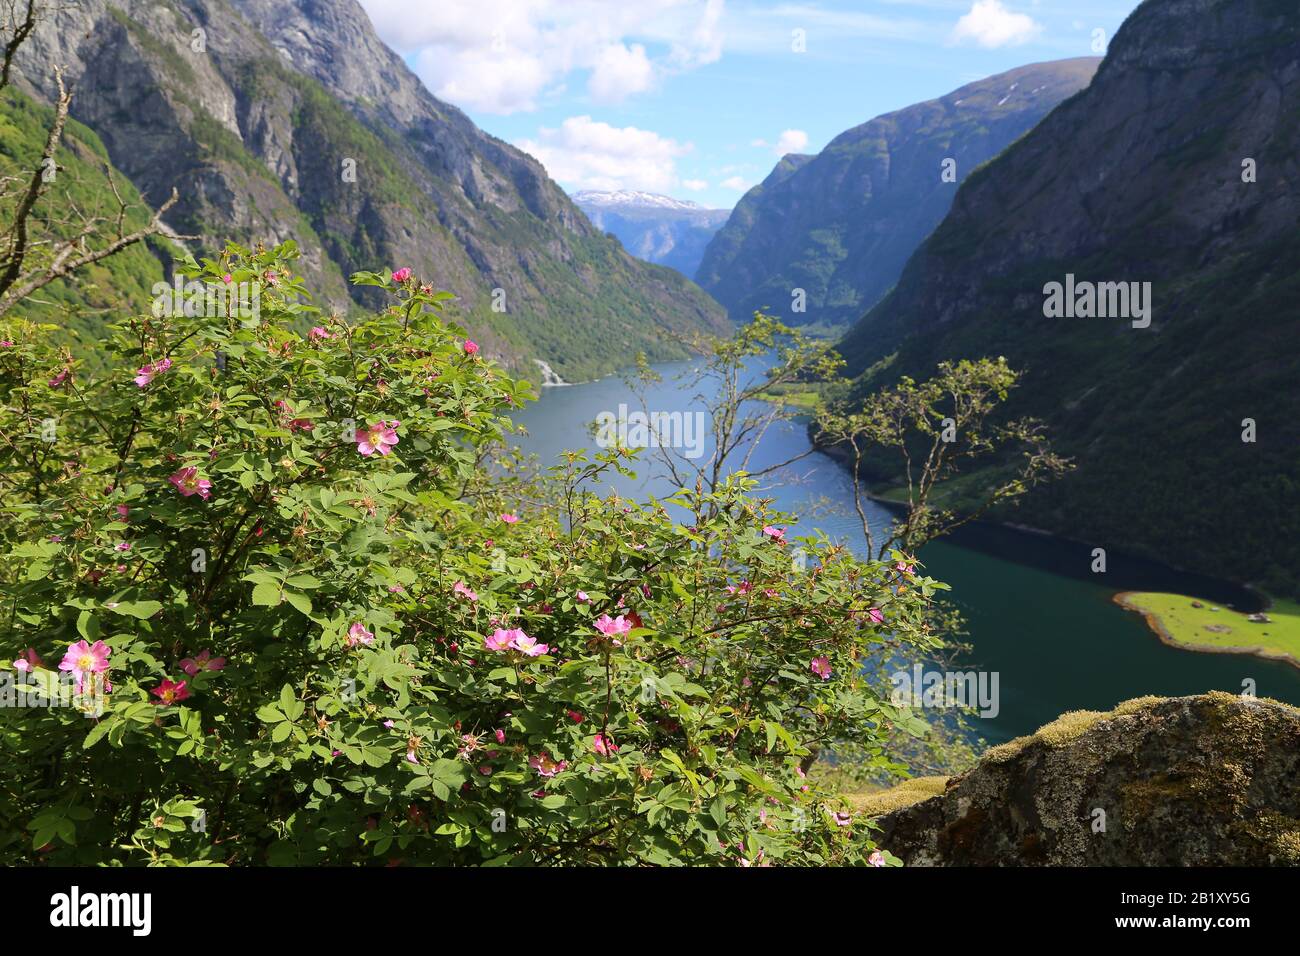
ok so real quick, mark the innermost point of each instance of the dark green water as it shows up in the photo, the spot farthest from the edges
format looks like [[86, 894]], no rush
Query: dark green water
[[1036, 614]]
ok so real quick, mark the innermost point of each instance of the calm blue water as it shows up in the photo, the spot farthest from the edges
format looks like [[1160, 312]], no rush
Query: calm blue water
[[1035, 612]]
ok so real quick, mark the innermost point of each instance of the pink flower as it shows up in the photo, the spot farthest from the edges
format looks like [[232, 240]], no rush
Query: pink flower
[[545, 765], [84, 659], [508, 518], [203, 662], [188, 482], [122, 546], [500, 735], [465, 591], [357, 634], [603, 745], [500, 639], [60, 377], [902, 567], [876, 615], [227, 278], [379, 437], [841, 819], [612, 626], [28, 660], [470, 347], [776, 534], [877, 858], [410, 756], [401, 275], [147, 373], [169, 692], [821, 666], [123, 512], [582, 597], [318, 334], [527, 645], [574, 716], [388, 724]]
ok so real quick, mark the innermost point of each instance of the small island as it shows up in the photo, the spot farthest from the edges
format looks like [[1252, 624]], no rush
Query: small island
[[1197, 625]]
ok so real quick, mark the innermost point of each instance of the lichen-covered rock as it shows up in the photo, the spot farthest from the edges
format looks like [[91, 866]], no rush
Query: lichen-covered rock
[[1188, 781]]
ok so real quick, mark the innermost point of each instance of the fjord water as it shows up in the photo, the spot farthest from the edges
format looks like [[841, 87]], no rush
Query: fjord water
[[1036, 613]]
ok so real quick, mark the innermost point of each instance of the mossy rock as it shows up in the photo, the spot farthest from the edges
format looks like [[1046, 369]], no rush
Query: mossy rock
[[1212, 780]]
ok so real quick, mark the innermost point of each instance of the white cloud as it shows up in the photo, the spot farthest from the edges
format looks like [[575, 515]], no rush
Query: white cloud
[[695, 185], [619, 72], [990, 24], [585, 154], [504, 56], [738, 183], [790, 141]]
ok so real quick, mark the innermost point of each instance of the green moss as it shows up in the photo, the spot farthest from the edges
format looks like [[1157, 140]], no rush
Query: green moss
[[904, 795]]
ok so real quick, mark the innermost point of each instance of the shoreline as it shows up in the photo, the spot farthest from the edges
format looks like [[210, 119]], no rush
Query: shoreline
[[1162, 633], [1250, 591]]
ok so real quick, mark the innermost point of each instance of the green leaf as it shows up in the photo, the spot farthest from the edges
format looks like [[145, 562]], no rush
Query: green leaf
[[266, 595], [88, 626]]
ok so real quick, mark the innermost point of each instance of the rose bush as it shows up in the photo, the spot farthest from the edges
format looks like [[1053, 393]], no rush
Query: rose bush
[[315, 611]]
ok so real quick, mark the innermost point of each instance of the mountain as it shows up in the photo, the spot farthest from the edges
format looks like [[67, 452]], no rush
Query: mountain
[[1178, 166], [283, 119], [671, 232], [840, 225]]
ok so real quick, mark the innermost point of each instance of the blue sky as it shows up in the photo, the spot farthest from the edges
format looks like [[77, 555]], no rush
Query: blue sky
[[697, 98]]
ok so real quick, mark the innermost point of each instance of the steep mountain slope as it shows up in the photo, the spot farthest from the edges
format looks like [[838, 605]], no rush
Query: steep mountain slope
[[1144, 177], [106, 288], [840, 225], [291, 119], [655, 228]]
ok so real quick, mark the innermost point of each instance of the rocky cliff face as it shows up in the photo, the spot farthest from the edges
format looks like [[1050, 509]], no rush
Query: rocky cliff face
[[842, 224], [1179, 166], [282, 120], [1191, 781]]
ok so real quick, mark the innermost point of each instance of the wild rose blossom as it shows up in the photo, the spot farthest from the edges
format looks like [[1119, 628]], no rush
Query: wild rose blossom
[[876, 859], [465, 591], [83, 659], [28, 660], [603, 745], [613, 627], [876, 615], [401, 275], [545, 765], [203, 661], [821, 666], [188, 482], [170, 692], [318, 334], [527, 645], [508, 518], [147, 373], [379, 438], [470, 347], [357, 634], [500, 639], [776, 534]]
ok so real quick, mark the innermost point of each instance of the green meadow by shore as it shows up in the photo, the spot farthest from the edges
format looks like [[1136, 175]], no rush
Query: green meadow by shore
[[1200, 626]]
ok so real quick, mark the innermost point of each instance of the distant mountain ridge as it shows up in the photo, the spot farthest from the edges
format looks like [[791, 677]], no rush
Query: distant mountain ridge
[[841, 225], [285, 119], [660, 229], [1179, 166]]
